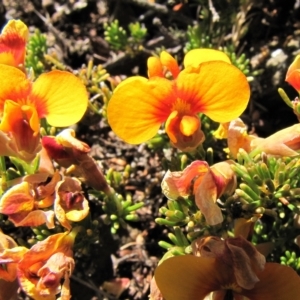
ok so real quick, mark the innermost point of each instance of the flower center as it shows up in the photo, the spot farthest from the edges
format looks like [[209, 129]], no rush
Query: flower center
[[72, 200], [233, 287], [182, 107]]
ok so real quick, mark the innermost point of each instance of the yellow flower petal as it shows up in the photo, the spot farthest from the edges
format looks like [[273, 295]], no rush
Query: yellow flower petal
[[170, 63], [21, 123], [216, 88], [294, 79], [198, 56], [13, 41], [222, 131], [8, 259], [154, 67], [172, 126], [293, 74], [189, 124], [17, 89], [137, 108], [187, 277], [60, 97], [17, 199], [15, 27], [7, 58]]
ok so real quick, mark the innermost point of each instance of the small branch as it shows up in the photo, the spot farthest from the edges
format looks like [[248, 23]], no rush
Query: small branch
[[215, 15], [152, 6]]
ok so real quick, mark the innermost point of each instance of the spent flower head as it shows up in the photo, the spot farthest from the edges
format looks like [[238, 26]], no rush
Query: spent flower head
[[225, 267], [206, 183]]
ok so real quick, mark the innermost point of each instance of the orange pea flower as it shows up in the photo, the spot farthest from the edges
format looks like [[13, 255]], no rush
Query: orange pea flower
[[209, 84], [293, 74], [13, 39], [23, 203], [58, 96], [227, 268], [70, 204], [45, 265], [207, 184]]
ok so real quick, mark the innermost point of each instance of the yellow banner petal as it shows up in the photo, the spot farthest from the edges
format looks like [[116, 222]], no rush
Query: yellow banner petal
[[199, 56], [60, 97], [138, 107], [216, 88]]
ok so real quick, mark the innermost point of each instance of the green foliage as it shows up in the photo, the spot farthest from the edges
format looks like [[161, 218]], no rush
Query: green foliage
[[119, 210], [196, 38], [95, 79], [241, 61], [36, 49], [119, 39], [221, 27], [118, 205], [115, 35], [290, 259], [180, 245], [137, 32], [269, 190]]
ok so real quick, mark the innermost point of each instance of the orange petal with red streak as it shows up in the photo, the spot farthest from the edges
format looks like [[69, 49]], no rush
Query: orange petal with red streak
[[139, 106], [170, 63], [155, 67], [60, 97], [13, 40], [17, 199], [216, 88], [293, 74], [17, 89]]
